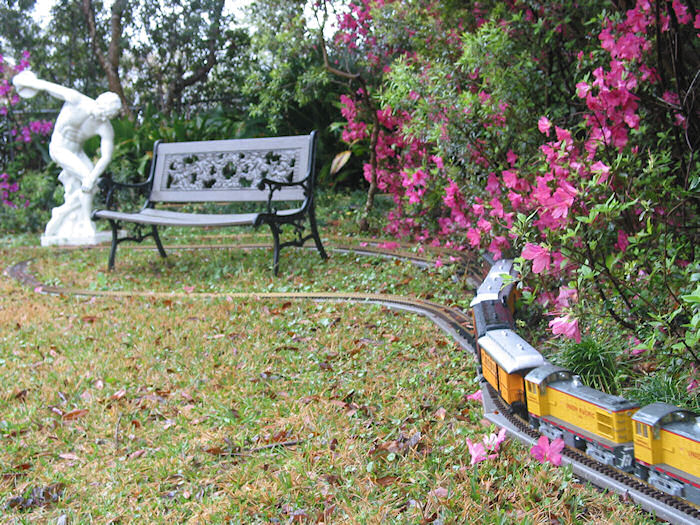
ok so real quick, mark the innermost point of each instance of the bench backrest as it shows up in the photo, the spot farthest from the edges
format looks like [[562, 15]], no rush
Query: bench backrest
[[230, 170]]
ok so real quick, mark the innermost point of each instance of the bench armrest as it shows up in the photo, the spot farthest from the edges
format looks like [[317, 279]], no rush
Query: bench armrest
[[275, 185], [111, 186]]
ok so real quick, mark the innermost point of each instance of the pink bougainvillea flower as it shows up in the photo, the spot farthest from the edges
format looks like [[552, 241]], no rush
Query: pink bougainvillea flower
[[566, 326], [478, 452], [476, 396], [546, 451], [539, 255], [544, 124], [493, 441]]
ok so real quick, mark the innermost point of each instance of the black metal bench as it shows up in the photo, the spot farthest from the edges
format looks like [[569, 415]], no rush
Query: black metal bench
[[266, 170]]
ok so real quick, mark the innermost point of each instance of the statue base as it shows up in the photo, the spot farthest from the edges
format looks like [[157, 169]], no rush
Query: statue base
[[91, 240]]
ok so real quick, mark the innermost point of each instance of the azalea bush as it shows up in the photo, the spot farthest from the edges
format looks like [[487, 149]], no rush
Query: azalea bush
[[561, 135]]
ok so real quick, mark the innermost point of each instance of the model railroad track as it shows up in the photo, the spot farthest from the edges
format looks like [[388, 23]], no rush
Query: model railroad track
[[459, 325]]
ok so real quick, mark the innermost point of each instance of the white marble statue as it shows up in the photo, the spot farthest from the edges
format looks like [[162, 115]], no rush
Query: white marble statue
[[80, 118]]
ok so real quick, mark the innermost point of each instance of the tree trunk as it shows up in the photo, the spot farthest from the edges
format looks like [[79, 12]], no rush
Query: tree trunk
[[109, 63]]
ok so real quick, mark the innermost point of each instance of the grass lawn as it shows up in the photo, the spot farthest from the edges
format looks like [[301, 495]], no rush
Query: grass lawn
[[197, 409]]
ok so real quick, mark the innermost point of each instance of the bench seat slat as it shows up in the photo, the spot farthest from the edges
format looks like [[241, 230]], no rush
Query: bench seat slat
[[171, 218]]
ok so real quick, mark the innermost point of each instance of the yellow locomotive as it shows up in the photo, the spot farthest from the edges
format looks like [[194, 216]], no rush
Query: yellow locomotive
[[600, 424], [667, 449]]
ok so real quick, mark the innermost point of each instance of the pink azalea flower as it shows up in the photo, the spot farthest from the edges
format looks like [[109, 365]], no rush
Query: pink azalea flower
[[544, 451], [543, 125], [602, 169], [493, 186], [493, 441], [681, 12], [582, 89], [638, 347], [566, 326], [539, 255], [188, 289], [511, 157], [566, 293], [510, 178], [474, 237], [476, 396], [484, 225], [478, 452], [622, 242], [389, 245], [693, 382]]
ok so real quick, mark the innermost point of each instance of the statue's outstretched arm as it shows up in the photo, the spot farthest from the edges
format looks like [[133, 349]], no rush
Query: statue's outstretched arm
[[27, 79]]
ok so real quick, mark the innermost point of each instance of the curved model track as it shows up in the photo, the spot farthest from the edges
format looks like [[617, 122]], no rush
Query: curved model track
[[459, 325]]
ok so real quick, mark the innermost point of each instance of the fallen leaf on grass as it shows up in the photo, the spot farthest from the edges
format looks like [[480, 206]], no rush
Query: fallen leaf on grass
[[385, 481], [439, 493], [440, 413], [70, 456], [118, 394], [21, 395], [74, 414], [136, 454]]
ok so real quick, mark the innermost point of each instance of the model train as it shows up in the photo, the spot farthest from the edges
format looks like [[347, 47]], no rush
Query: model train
[[659, 443]]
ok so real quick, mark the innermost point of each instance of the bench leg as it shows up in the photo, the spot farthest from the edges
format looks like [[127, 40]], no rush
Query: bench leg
[[276, 253], [156, 238], [115, 243], [314, 233]]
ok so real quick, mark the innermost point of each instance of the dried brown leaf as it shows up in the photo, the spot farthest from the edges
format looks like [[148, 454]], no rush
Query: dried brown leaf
[[75, 414]]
